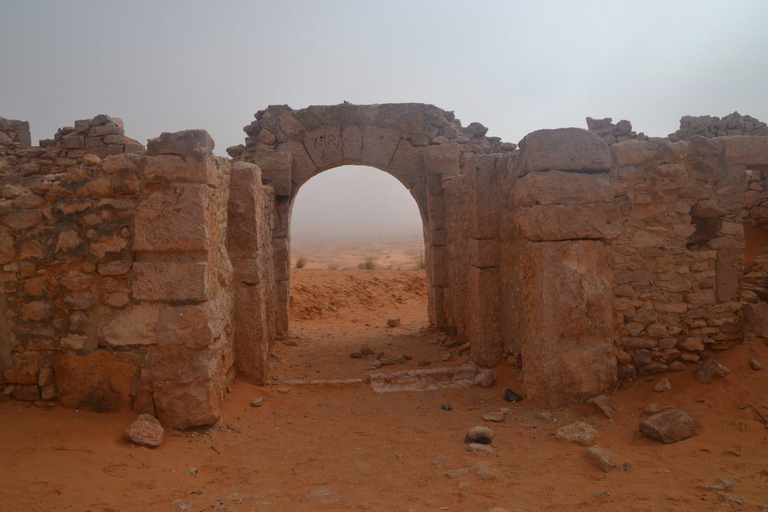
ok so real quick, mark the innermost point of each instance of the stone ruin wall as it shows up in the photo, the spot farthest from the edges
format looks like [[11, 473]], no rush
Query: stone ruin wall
[[143, 278], [117, 285]]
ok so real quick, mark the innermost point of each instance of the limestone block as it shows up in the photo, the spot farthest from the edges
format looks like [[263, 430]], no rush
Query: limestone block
[[352, 142], [302, 167], [568, 332], [244, 210], [379, 145], [251, 334], [171, 281], [558, 187], [276, 171], [324, 146], [442, 159], [751, 151], [636, 152], [483, 198], [175, 169], [196, 144], [101, 381], [482, 308], [566, 149], [484, 253], [196, 326], [175, 218], [567, 222], [134, 325], [730, 268], [25, 370], [408, 164], [188, 404]]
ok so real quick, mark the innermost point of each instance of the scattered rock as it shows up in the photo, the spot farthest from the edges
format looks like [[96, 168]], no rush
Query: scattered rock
[[385, 361], [626, 467], [367, 350], [545, 416], [332, 308], [601, 457], [579, 432], [393, 322], [495, 416], [485, 471], [283, 391], [601, 402], [479, 448], [723, 484], [191, 471], [708, 370], [452, 343], [402, 359], [755, 364], [145, 430], [289, 342], [485, 378], [511, 397], [667, 427], [479, 435], [356, 355], [498, 509], [653, 408], [257, 402], [662, 386], [446, 407], [446, 357], [424, 362]]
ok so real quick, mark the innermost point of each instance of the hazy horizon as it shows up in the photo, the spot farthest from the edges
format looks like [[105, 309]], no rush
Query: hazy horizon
[[516, 67]]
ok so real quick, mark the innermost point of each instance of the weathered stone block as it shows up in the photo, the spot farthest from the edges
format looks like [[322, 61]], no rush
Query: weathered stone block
[[196, 144], [568, 332], [101, 381], [566, 149], [195, 326], [379, 146], [567, 222], [276, 171], [134, 325], [557, 187], [171, 281], [174, 218], [442, 159], [175, 169], [751, 151], [324, 146]]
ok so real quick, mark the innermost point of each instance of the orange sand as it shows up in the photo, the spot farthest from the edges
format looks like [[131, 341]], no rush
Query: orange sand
[[351, 449]]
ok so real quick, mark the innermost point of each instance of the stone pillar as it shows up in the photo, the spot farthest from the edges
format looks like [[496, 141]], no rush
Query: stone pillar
[[563, 211], [250, 249], [483, 297], [439, 161], [181, 278]]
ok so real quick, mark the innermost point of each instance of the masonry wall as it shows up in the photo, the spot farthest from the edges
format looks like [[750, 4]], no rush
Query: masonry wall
[[116, 283], [143, 278]]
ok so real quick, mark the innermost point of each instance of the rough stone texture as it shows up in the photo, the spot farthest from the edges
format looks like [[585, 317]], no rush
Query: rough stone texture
[[601, 457], [145, 430], [585, 258], [669, 426], [579, 433]]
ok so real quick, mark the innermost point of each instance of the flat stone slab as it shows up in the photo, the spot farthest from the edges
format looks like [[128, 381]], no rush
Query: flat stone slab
[[326, 382], [424, 380]]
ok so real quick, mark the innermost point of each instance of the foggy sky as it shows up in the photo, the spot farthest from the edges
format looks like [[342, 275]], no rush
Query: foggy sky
[[514, 66]]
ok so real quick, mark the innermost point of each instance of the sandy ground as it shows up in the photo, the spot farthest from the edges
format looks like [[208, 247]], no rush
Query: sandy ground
[[387, 253], [326, 448]]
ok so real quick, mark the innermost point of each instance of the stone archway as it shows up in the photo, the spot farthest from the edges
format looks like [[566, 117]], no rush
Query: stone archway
[[424, 148]]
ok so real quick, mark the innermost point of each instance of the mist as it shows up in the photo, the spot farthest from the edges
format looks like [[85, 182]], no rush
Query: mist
[[516, 67]]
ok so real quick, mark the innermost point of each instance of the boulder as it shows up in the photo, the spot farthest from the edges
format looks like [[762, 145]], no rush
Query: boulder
[[145, 430], [579, 432], [669, 426], [565, 149], [601, 457], [708, 370], [479, 435]]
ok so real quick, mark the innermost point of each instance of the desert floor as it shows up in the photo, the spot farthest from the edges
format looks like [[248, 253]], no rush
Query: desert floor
[[348, 448]]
